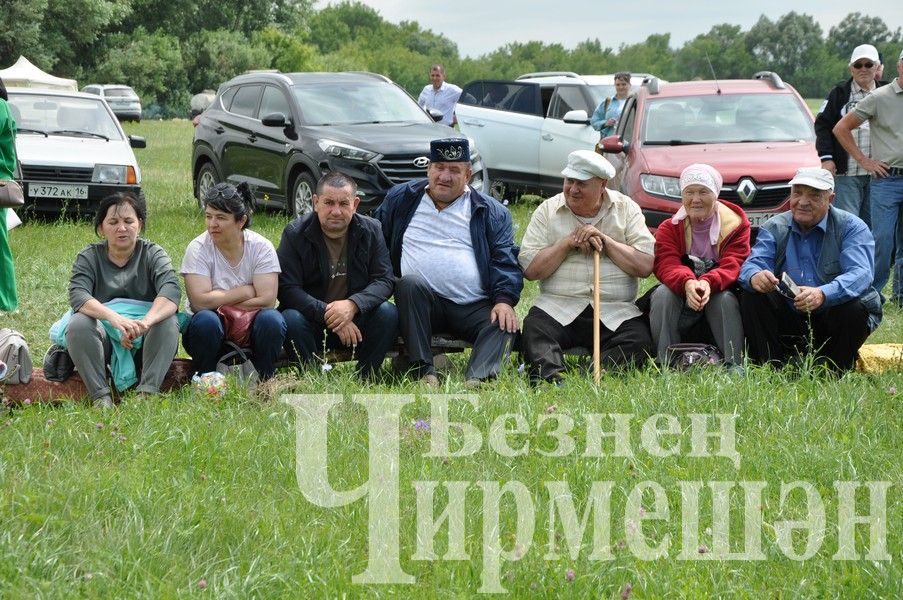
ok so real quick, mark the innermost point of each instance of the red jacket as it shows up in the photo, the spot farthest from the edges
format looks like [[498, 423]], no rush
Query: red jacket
[[672, 241]]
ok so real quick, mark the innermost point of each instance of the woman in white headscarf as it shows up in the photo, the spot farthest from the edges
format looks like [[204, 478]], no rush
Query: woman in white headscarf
[[698, 254]]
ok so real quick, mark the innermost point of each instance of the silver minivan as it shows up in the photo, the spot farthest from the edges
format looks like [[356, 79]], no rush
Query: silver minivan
[[122, 99]]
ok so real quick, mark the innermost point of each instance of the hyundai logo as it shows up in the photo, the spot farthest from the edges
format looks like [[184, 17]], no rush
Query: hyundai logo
[[421, 162], [746, 191]]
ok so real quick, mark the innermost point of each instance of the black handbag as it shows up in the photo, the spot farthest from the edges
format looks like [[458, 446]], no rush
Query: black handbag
[[58, 365]]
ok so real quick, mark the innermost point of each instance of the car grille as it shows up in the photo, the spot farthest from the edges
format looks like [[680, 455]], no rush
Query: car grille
[[73, 174], [766, 196], [401, 168]]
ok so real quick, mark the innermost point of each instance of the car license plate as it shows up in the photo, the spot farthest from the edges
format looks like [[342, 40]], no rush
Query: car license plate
[[57, 190], [758, 219]]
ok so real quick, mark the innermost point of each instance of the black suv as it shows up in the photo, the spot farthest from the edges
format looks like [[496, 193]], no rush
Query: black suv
[[281, 132]]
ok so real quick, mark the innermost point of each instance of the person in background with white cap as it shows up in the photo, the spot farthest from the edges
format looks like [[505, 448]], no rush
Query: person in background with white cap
[[828, 306], [557, 249], [851, 180], [883, 110], [698, 254]]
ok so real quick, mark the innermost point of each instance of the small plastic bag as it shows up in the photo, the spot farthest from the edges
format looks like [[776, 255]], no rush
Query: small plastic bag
[[209, 385]]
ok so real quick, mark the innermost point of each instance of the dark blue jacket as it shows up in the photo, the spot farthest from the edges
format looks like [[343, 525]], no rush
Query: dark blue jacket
[[491, 232], [304, 260]]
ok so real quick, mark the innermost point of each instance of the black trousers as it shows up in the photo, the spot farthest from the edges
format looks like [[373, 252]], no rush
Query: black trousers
[[545, 339], [421, 312], [775, 331]]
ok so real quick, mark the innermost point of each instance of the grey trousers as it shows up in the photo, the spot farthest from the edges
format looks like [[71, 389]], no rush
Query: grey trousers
[[421, 312], [90, 350], [722, 313]]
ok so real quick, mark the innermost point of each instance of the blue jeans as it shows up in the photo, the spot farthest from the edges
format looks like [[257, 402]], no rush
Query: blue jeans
[[852, 195], [887, 208], [379, 329], [204, 339]]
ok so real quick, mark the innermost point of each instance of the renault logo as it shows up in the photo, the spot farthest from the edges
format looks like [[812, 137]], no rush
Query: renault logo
[[746, 191], [421, 162]]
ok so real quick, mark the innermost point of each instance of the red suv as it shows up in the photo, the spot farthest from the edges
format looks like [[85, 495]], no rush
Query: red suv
[[756, 132]]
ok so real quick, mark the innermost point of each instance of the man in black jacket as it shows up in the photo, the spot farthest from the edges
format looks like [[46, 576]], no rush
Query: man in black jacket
[[851, 180], [336, 279]]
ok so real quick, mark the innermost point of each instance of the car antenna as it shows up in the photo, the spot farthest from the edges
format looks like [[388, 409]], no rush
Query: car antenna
[[714, 77]]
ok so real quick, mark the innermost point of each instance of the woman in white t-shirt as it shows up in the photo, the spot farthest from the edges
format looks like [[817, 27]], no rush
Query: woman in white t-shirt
[[231, 265]]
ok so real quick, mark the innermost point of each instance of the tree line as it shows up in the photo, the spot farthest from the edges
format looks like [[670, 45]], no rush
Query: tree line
[[170, 49]]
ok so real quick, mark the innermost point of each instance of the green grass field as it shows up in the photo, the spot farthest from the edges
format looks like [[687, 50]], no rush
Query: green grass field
[[180, 496]]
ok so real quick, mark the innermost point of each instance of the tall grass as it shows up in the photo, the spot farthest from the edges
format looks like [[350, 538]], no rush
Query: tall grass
[[176, 496]]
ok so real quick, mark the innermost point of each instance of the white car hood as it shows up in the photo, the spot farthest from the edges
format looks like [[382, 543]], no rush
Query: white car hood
[[67, 151]]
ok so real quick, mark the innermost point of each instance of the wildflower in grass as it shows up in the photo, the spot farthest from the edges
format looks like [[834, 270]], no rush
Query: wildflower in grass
[[703, 548], [202, 584], [625, 591], [422, 425], [99, 425], [570, 575], [892, 390], [27, 402], [552, 408], [326, 367]]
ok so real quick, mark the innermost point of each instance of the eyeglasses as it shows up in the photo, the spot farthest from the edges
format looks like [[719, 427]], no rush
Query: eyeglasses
[[863, 65], [226, 193]]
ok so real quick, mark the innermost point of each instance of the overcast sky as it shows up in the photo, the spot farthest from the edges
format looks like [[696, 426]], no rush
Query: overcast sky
[[481, 26]]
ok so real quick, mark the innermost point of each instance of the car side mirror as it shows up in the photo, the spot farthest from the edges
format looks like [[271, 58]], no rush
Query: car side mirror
[[613, 144], [576, 117], [276, 120], [436, 114], [136, 141]]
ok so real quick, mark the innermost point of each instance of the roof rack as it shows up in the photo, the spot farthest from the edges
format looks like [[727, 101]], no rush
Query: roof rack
[[773, 78], [653, 84], [549, 74]]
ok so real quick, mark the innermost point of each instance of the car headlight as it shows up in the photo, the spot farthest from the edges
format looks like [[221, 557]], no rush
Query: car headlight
[[341, 150], [114, 174], [661, 185]]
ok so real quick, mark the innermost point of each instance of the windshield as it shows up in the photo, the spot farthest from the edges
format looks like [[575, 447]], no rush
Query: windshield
[[729, 118], [356, 102], [63, 115], [120, 93]]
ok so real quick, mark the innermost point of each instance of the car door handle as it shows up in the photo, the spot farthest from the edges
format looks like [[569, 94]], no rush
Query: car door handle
[[547, 137], [219, 129], [252, 138], [474, 123]]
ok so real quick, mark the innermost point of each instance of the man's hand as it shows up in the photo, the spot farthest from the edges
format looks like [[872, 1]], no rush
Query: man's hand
[[764, 282], [339, 313], [349, 334], [698, 293], [809, 299], [504, 315], [875, 167], [586, 238]]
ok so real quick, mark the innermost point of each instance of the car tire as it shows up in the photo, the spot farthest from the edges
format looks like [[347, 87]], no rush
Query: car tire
[[498, 189], [301, 202], [207, 178]]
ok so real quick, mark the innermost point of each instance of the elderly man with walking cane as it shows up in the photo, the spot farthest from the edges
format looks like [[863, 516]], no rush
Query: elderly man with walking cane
[[564, 233]]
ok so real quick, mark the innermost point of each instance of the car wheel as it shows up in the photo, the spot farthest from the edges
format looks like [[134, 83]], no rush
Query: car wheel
[[498, 189], [206, 179], [302, 198]]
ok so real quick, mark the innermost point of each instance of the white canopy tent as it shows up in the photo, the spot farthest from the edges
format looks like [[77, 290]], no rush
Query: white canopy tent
[[25, 74]]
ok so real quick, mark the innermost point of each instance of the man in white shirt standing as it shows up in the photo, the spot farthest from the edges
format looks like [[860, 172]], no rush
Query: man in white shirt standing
[[441, 95], [453, 250]]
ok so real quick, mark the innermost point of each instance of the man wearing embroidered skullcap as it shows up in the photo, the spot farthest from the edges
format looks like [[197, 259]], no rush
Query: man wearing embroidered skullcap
[[698, 254], [557, 250], [883, 111], [453, 252], [807, 282]]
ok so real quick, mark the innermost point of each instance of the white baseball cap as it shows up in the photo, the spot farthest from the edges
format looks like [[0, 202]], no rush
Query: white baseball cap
[[815, 177], [865, 51]]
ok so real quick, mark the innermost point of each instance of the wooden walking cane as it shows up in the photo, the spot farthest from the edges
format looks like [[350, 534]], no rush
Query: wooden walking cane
[[597, 367]]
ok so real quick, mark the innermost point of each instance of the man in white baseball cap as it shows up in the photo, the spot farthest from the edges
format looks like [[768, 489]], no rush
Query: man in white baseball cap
[[851, 179], [807, 282], [557, 249], [883, 111]]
